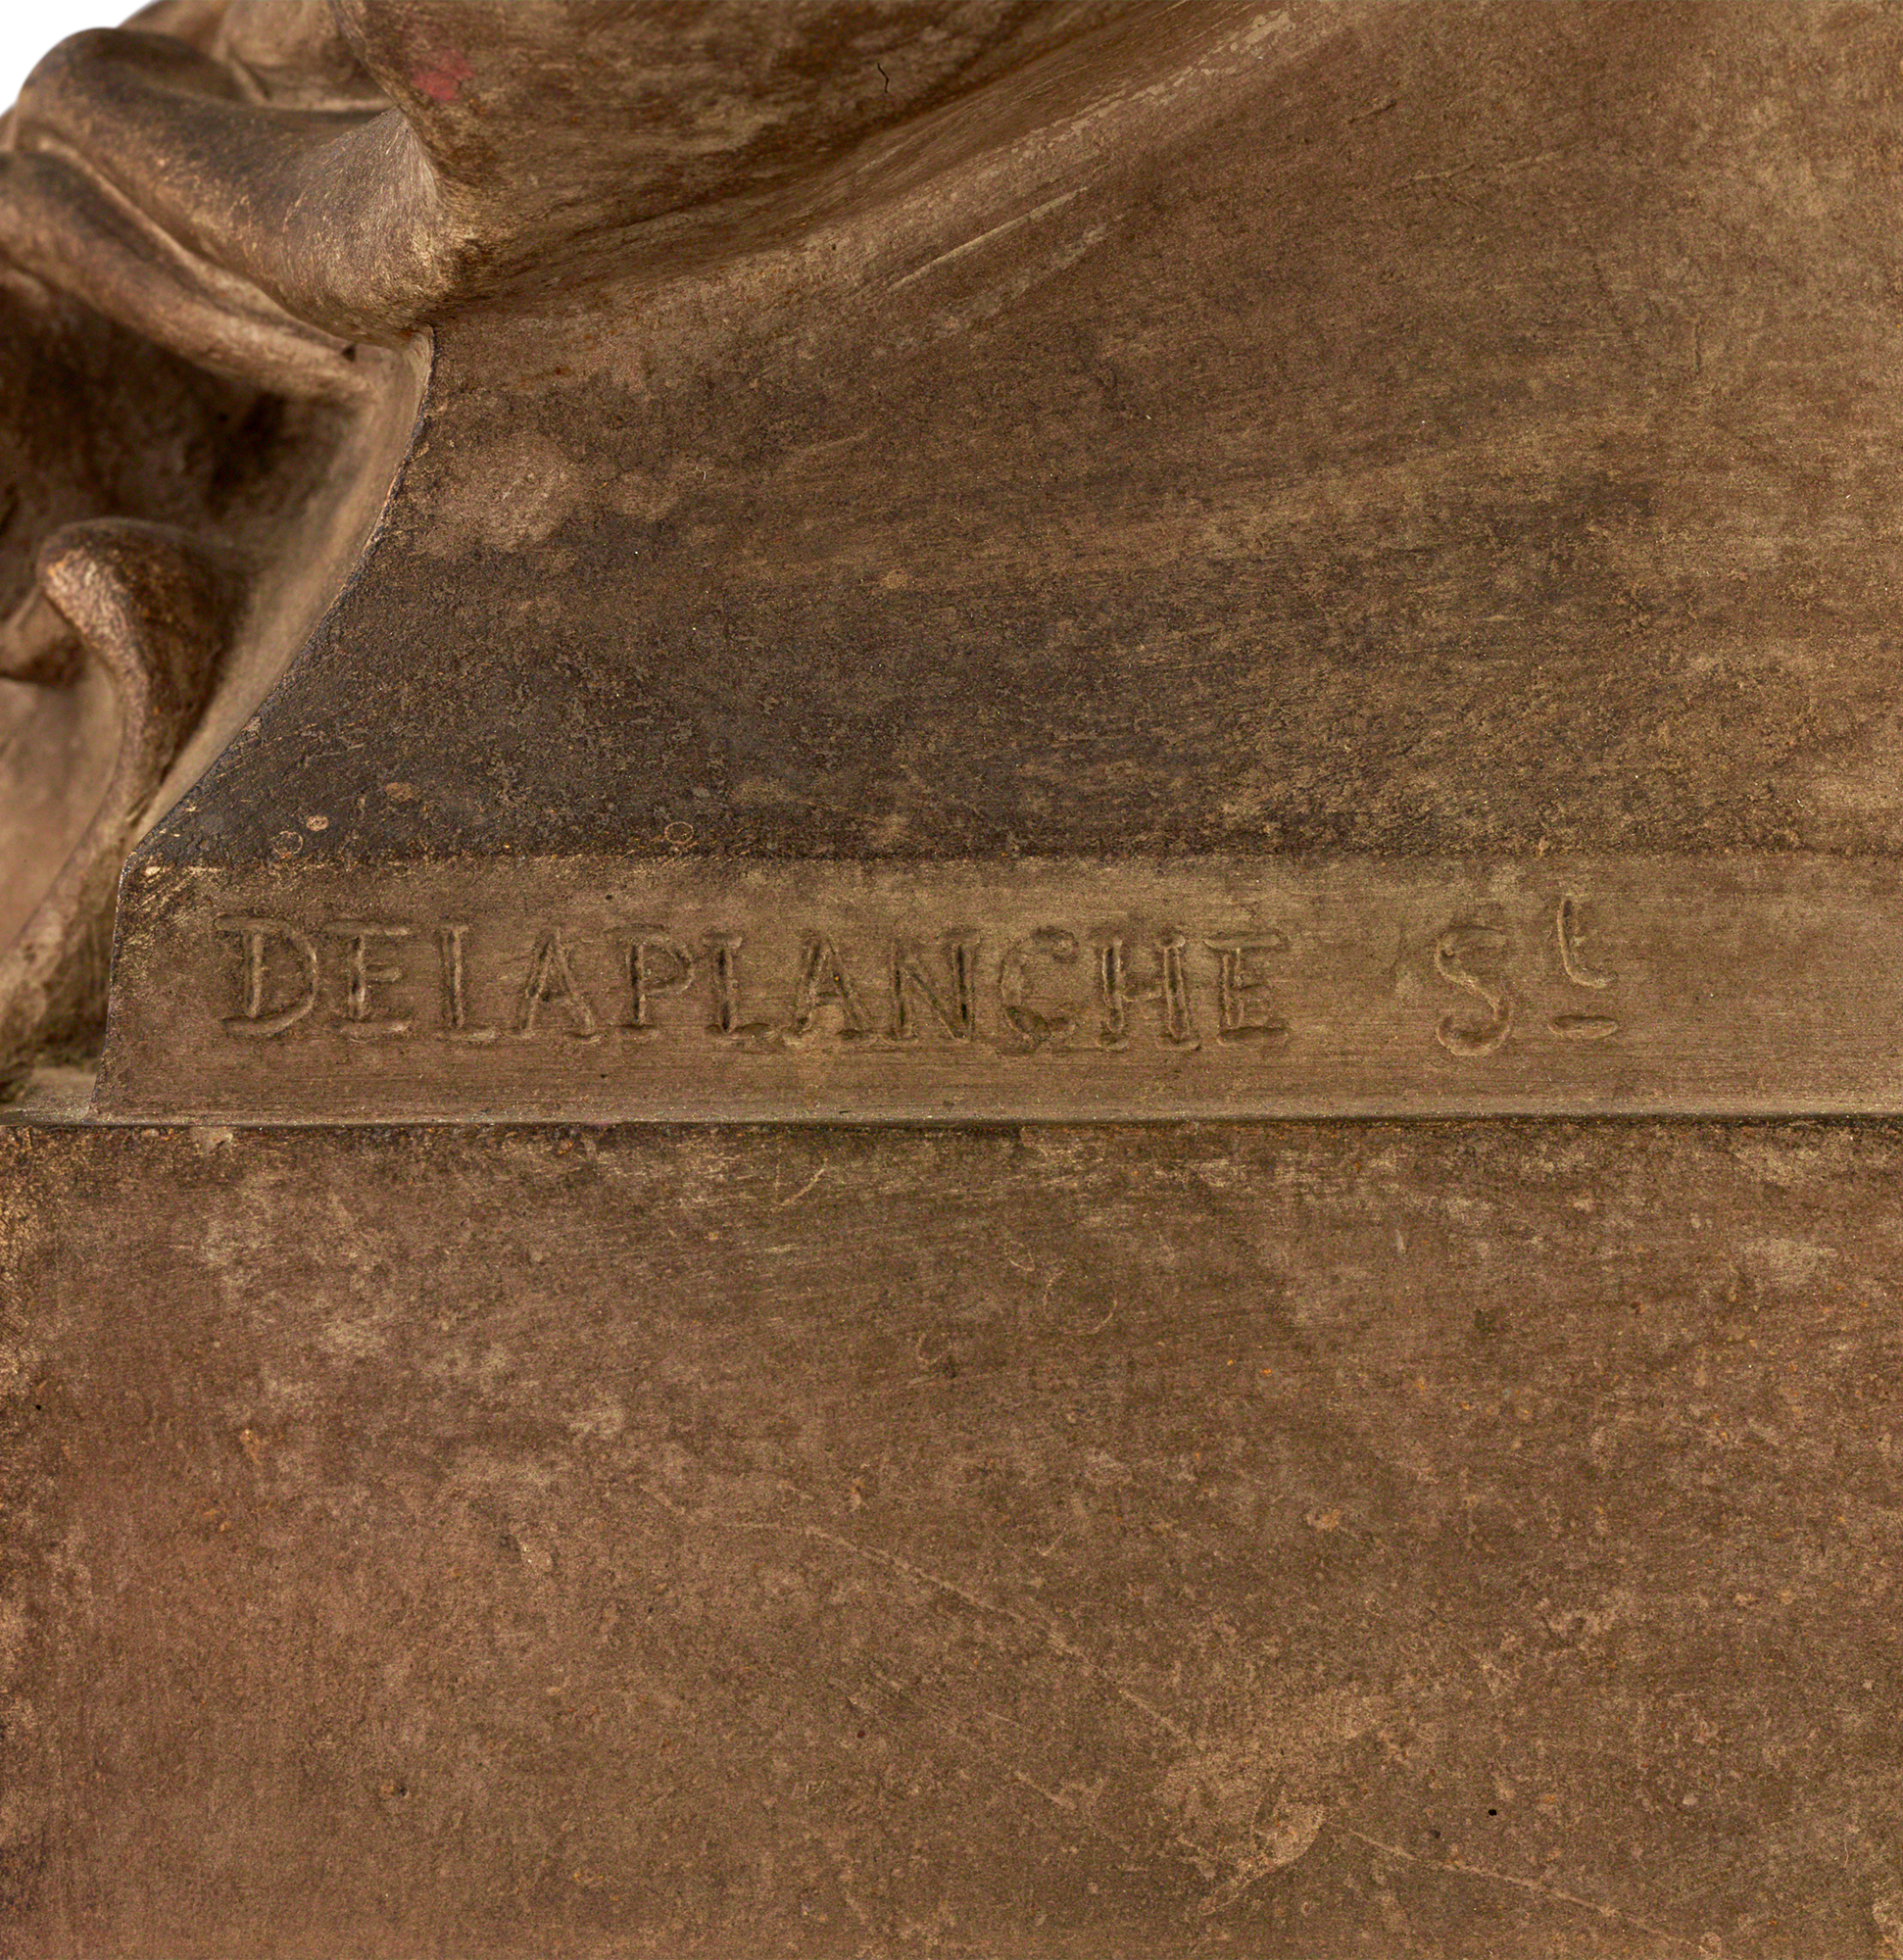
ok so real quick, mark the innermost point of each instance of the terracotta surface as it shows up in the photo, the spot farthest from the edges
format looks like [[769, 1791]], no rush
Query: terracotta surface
[[1399, 436], [1452, 1540]]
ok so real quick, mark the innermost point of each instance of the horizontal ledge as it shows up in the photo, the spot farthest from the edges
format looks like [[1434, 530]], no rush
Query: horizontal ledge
[[692, 990]]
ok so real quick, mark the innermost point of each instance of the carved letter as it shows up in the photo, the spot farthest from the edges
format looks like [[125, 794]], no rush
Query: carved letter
[[1241, 1011], [1170, 991], [958, 1015], [823, 978], [456, 1005], [656, 965], [1579, 1027], [1453, 955], [256, 1019], [551, 978], [1566, 928], [723, 961], [1059, 949], [1584, 1027], [359, 976]]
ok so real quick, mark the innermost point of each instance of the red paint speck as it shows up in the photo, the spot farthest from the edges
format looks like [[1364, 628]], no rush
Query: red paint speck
[[443, 76]]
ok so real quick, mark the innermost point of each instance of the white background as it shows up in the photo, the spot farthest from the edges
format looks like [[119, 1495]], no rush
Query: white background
[[29, 28]]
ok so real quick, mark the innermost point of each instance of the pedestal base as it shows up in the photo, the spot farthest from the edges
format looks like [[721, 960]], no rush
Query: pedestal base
[[1452, 1540]]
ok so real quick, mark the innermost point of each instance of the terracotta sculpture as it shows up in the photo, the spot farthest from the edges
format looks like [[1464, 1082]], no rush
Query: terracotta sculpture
[[754, 689], [217, 223], [221, 228]]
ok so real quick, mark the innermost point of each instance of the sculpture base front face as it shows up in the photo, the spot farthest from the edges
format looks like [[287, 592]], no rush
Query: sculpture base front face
[[1326, 562], [1471, 1540], [1206, 477], [601, 989]]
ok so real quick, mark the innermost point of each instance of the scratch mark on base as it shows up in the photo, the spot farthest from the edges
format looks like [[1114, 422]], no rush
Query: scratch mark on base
[[1053, 1635], [1076, 1815], [1533, 1886], [781, 1204], [1502, 163], [996, 230], [949, 1722]]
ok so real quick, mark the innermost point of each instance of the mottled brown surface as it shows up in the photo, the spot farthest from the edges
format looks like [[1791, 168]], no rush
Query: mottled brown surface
[[1404, 429], [1396, 430], [1454, 1541]]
